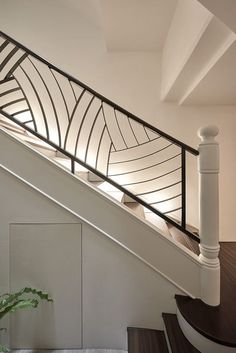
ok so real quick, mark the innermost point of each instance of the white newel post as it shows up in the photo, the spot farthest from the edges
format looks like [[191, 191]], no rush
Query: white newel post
[[209, 215]]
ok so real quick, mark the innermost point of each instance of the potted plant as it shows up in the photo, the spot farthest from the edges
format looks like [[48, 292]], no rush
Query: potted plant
[[25, 298]]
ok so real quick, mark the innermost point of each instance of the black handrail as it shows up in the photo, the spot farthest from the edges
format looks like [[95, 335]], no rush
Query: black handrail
[[74, 158], [104, 99]]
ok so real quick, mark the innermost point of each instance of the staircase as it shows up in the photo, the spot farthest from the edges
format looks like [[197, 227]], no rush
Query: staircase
[[113, 155]]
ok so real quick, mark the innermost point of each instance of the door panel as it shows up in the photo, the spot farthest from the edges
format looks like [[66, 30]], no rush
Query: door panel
[[48, 257]]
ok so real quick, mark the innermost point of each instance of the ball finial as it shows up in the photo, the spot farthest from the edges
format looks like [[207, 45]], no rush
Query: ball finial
[[208, 132]]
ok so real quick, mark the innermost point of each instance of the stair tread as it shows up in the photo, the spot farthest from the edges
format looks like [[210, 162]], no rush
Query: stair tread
[[82, 175], [158, 222], [136, 208], [11, 127], [66, 163], [144, 340], [94, 178], [32, 140], [8, 123], [177, 340], [183, 239]]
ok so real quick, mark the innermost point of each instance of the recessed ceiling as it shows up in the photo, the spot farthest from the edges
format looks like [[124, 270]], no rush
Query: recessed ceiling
[[219, 85], [136, 25], [225, 10]]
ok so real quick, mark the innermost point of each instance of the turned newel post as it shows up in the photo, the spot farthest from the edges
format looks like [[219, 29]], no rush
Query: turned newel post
[[209, 215]]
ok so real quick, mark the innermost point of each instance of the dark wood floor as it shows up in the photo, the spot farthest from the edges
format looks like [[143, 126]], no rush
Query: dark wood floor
[[217, 323]]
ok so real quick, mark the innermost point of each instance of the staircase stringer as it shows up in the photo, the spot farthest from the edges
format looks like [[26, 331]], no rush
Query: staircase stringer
[[150, 254]]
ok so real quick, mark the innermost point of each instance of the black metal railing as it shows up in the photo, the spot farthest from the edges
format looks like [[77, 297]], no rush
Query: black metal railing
[[142, 161]]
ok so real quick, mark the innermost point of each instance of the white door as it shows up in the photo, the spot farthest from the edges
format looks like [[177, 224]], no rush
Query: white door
[[48, 257]]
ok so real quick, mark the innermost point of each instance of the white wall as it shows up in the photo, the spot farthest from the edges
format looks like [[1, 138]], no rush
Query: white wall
[[130, 79], [117, 288], [119, 291]]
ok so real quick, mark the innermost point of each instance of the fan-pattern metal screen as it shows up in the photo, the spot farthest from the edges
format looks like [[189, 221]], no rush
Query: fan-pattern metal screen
[[126, 151]]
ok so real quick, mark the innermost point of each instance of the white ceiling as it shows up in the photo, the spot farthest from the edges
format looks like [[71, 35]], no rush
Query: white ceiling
[[89, 10], [136, 25], [127, 25], [219, 85]]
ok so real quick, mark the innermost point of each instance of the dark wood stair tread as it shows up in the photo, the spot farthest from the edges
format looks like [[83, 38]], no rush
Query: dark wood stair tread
[[178, 342], [144, 340]]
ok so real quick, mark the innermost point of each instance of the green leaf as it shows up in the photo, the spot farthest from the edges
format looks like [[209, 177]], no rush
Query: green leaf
[[4, 349], [14, 301], [24, 304], [20, 304], [11, 298], [39, 293]]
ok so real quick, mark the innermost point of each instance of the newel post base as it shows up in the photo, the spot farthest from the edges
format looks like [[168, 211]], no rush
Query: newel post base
[[210, 275], [209, 215]]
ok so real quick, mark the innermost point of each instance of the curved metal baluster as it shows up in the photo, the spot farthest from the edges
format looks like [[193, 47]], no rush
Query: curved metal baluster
[[82, 122], [145, 168], [72, 116], [51, 100], [91, 131], [39, 101], [28, 103], [147, 155], [62, 95], [161, 201]]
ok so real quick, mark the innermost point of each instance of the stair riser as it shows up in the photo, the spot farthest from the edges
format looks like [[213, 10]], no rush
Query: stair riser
[[167, 340]]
